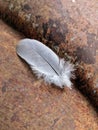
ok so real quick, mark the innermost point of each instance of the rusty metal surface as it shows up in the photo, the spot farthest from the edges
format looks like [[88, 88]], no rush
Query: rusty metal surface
[[69, 28], [29, 104]]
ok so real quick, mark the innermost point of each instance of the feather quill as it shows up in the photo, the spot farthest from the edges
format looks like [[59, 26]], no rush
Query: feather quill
[[45, 63]]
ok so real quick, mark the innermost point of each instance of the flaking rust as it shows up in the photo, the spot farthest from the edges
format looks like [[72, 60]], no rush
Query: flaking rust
[[67, 28]]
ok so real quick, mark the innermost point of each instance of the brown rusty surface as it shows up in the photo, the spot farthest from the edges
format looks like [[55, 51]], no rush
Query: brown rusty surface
[[69, 28], [29, 104]]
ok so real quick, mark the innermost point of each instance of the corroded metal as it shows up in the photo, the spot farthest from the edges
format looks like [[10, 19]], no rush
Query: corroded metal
[[69, 28], [29, 104]]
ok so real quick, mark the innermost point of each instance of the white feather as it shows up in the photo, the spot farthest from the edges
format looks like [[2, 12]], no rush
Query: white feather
[[45, 63]]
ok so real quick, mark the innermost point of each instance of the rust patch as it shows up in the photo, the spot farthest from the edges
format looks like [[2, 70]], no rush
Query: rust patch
[[4, 88], [55, 32], [15, 117], [86, 55], [26, 7]]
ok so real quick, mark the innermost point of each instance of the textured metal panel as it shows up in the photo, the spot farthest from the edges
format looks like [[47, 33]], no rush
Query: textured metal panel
[[69, 28], [29, 104]]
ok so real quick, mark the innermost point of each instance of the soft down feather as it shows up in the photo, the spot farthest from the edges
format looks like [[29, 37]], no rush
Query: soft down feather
[[45, 63]]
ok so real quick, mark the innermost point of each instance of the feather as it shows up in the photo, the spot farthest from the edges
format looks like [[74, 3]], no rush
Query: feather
[[45, 63]]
